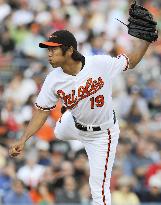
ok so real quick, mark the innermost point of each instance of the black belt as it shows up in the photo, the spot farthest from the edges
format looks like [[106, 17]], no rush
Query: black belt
[[84, 128], [92, 128]]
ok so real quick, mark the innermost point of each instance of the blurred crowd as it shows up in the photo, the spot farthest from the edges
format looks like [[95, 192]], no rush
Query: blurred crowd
[[51, 171]]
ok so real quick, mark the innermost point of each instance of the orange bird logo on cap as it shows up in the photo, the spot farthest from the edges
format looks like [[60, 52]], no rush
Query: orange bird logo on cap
[[51, 36]]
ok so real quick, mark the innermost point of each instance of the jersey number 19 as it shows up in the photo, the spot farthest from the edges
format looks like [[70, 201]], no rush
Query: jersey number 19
[[97, 101]]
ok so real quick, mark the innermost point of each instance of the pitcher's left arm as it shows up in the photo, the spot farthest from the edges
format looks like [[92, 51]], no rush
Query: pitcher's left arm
[[143, 27], [137, 54]]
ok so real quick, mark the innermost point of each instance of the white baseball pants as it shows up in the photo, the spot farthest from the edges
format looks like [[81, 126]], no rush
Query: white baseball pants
[[100, 147]]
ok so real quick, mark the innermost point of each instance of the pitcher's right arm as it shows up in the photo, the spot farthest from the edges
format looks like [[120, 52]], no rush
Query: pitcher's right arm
[[34, 125]]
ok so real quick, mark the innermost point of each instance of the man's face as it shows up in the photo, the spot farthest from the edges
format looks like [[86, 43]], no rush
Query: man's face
[[18, 187], [56, 57]]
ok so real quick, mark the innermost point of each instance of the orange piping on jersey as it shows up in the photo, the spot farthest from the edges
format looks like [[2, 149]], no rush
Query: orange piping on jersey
[[127, 61], [44, 109], [106, 166]]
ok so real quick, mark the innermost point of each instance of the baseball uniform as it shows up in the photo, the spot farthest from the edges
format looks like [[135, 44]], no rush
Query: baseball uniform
[[90, 117]]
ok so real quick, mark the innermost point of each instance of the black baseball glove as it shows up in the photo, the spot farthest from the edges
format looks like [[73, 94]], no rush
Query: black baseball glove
[[141, 24]]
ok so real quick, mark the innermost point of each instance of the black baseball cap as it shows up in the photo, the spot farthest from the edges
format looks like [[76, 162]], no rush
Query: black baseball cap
[[59, 38]]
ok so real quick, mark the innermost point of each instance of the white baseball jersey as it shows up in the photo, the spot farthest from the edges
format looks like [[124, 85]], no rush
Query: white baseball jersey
[[88, 95]]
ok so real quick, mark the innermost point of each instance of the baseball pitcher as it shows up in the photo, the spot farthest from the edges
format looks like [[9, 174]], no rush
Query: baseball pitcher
[[84, 86]]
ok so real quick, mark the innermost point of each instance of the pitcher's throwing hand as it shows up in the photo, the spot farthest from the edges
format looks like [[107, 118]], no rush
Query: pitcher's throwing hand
[[16, 149]]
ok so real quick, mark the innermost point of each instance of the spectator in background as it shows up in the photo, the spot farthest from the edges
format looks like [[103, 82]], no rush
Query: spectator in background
[[151, 90], [69, 192], [96, 42], [9, 117], [49, 178], [7, 175], [134, 102], [43, 152], [81, 167], [123, 156], [19, 89], [18, 34], [155, 105], [18, 195], [85, 194], [28, 46], [140, 162], [135, 116], [59, 153], [5, 10], [31, 172], [67, 168], [41, 195], [7, 44], [125, 195], [27, 109], [117, 173], [152, 151], [153, 194], [152, 170]]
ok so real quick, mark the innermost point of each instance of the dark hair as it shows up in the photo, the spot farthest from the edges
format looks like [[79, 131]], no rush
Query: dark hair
[[75, 55], [16, 180]]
